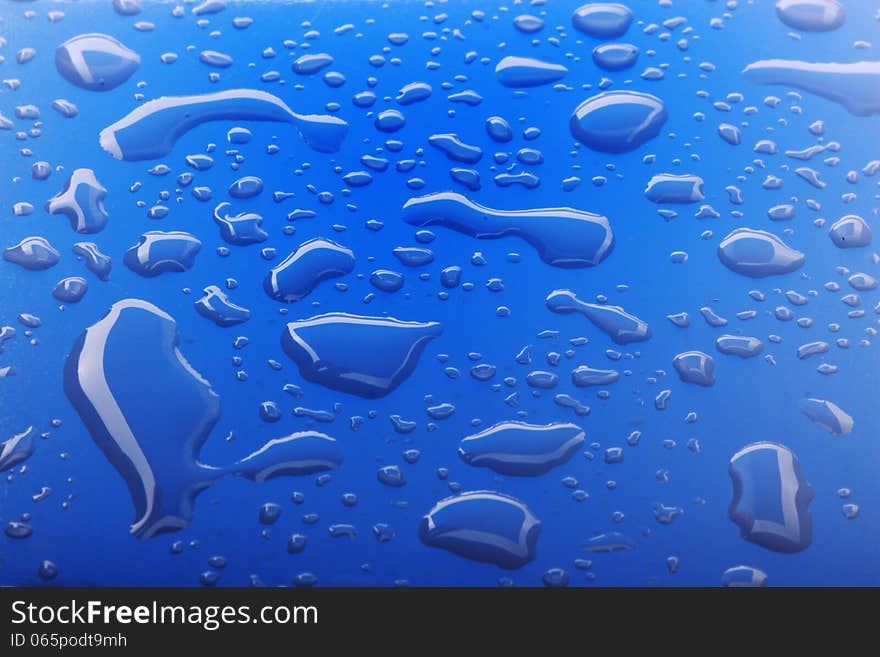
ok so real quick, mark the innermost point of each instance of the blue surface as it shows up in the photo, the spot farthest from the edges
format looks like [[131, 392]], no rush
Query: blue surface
[[83, 524]]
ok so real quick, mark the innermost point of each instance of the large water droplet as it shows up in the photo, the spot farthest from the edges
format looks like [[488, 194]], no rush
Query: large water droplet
[[520, 449], [620, 326], [854, 85], [757, 253], [158, 252], [81, 201], [827, 415], [17, 449], [564, 237], [365, 356], [33, 253], [528, 72], [132, 357], [150, 130], [300, 272], [811, 15], [483, 526], [603, 20], [96, 62], [618, 121], [771, 497]]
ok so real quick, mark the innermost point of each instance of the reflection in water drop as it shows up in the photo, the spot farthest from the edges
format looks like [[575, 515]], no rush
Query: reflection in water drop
[[757, 254], [483, 526], [850, 232], [618, 121], [671, 188], [771, 497], [96, 62], [854, 85], [527, 72], [827, 415], [132, 357], [743, 576], [158, 252], [620, 326], [150, 130], [17, 449], [811, 15], [81, 201], [34, 253], [96, 262], [364, 356], [695, 367], [300, 272], [216, 306], [615, 56], [70, 289], [520, 449], [564, 237], [603, 20]]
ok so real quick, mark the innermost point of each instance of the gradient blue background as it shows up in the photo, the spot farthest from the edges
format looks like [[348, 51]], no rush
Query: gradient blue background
[[751, 401]]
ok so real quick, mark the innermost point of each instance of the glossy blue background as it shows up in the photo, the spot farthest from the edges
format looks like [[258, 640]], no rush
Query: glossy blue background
[[751, 401]]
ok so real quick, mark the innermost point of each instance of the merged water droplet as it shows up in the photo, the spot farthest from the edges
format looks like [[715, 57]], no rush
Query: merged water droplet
[[563, 237], [133, 355], [239, 229], [81, 201], [584, 376], [618, 324], [455, 148]]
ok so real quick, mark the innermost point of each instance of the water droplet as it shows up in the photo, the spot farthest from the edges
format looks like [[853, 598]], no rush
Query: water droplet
[[81, 201], [620, 326], [365, 356], [96, 62], [300, 272], [564, 237], [150, 131], [618, 121], [771, 497], [757, 254], [483, 526], [520, 449], [603, 20]]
